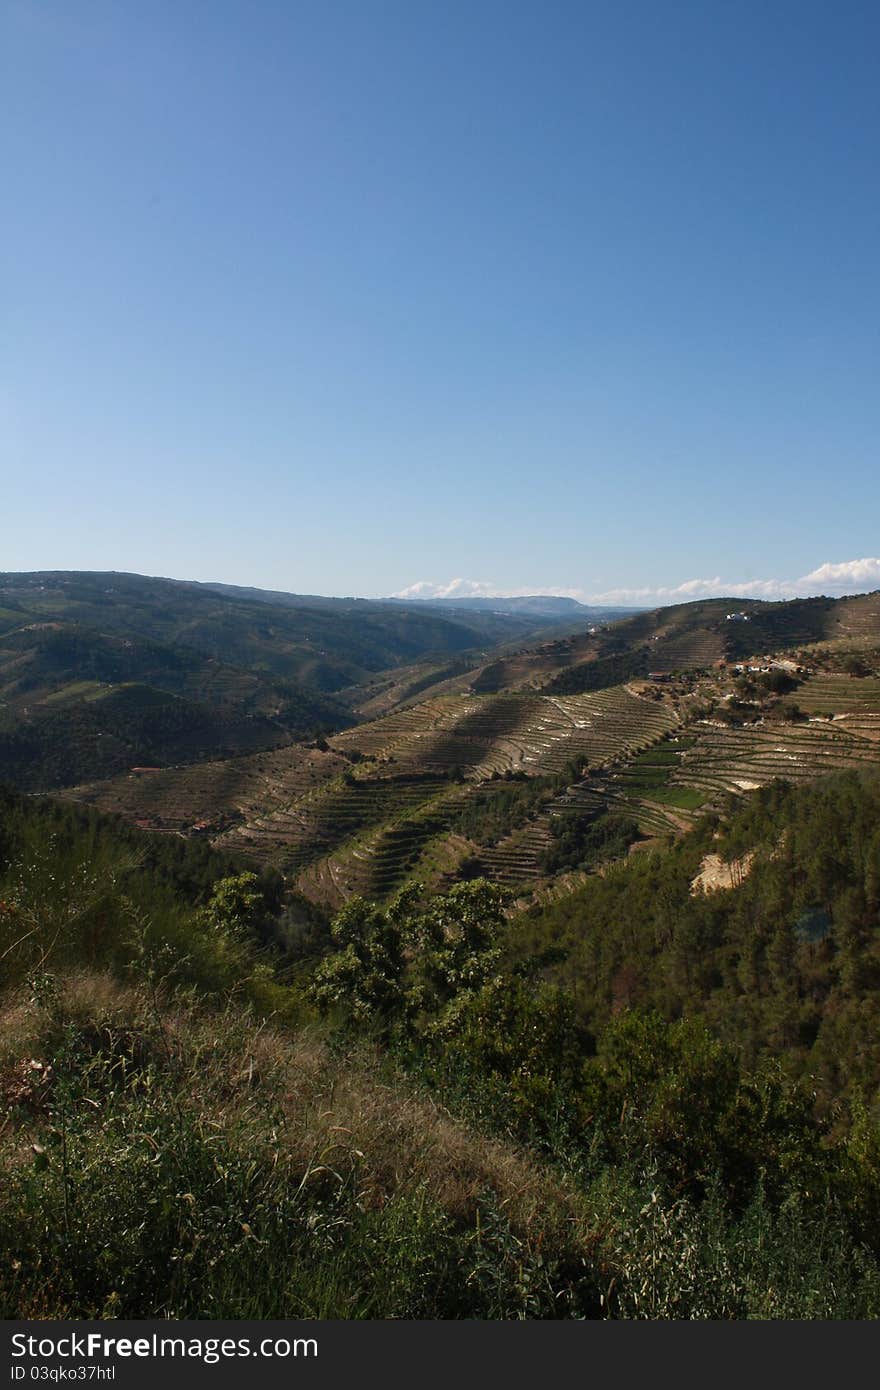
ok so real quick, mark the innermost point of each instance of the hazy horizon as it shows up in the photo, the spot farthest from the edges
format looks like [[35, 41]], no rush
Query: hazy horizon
[[828, 580]]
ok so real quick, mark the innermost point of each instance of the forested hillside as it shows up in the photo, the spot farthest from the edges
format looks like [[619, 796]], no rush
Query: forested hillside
[[655, 1103], [327, 647], [103, 672]]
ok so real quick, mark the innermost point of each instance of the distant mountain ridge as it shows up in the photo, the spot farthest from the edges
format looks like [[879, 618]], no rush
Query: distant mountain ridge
[[538, 605], [551, 606]]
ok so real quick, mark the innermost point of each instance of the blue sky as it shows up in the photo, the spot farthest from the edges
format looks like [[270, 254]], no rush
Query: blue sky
[[344, 297]]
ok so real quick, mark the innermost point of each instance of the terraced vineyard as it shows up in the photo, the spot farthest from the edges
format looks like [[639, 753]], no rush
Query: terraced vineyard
[[314, 825], [516, 860], [858, 618], [689, 650], [681, 638], [668, 785], [375, 807], [416, 749], [394, 734], [645, 787], [512, 732], [596, 728], [684, 637], [835, 725], [532, 668], [740, 759], [212, 793], [839, 695], [408, 685], [378, 864]]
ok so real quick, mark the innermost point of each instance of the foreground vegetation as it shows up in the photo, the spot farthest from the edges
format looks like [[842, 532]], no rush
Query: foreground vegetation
[[214, 1105]]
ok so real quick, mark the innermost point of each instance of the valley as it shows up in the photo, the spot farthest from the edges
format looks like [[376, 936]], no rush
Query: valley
[[456, 768]]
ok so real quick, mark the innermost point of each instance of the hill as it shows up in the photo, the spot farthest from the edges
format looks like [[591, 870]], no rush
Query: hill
[[768, 951], [102, 672], [78, 702], [327, 646], [682, 637], [550, 606], [378, 806]]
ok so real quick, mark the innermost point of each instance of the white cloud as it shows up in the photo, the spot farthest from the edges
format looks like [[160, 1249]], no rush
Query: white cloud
[[849, 577], [834, 580], [693, 589], [455, 588], [831, 578], [476, 588]]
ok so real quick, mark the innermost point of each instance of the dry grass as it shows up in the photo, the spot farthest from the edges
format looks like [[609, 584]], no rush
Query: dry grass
[[405, 1142], [336, 1110]]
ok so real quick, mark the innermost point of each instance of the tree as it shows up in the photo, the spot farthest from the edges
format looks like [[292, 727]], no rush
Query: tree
[[392, 965], [854, 666], [235, 904], [365, 971]]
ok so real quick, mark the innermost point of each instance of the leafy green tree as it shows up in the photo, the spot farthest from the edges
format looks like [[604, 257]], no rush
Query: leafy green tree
[[229, 926], [235, 904], [454, 943], [517, 1049], [676, 1095], [407, 961], [364, 972]]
